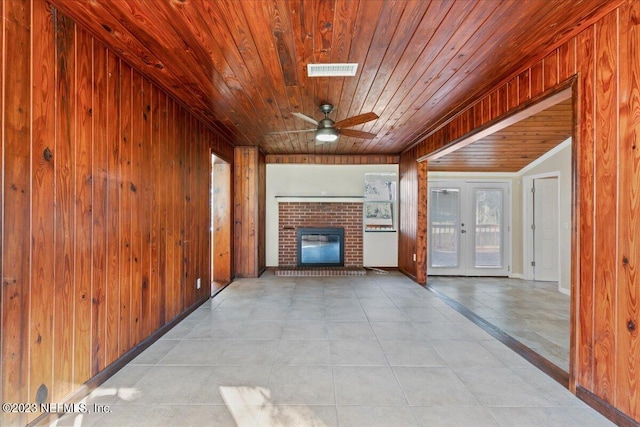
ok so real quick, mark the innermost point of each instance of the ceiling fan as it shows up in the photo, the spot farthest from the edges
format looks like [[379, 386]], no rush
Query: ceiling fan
[[328, 131]]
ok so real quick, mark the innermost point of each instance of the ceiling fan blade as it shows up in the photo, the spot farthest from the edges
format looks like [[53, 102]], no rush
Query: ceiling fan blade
[[305, 118], [291, 131], [356, 120], [357, 133]]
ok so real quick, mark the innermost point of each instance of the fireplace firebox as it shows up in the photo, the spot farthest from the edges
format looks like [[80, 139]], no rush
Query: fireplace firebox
[[320, 247]]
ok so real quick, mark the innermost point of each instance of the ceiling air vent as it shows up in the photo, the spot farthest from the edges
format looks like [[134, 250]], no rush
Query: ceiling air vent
[[331, 70]]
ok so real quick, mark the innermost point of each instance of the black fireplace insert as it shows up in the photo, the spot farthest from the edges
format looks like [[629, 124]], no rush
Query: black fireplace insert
[[320, 247]]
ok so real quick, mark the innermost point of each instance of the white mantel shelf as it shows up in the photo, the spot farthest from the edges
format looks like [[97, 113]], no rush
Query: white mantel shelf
[[321, 199]]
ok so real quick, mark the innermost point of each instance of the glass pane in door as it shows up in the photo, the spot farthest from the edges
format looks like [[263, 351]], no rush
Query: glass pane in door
[[488, 228], [444, 232]]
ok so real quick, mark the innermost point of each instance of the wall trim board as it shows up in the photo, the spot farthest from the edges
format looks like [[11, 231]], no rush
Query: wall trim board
[[408, 274], [84, 390], [337, 159], [606, 409]]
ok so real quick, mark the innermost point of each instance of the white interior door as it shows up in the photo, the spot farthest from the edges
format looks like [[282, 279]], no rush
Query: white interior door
[[468, 228], [545, 229]]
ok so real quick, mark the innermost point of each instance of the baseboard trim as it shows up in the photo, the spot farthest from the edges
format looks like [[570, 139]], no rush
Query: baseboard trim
[[614, 415], [409, 275], [94, 382]]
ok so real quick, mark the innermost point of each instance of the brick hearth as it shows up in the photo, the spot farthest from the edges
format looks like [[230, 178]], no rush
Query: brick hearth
[[320, 214]]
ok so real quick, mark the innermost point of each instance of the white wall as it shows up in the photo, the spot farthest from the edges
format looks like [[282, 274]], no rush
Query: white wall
[[292, 180]]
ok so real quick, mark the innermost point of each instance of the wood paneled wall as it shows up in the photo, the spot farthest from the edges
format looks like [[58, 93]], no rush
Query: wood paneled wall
[[605, 57], [105, 206], [249, 195], [412, 237]]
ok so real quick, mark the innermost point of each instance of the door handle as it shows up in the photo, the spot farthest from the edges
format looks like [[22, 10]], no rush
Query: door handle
[[463, 231]]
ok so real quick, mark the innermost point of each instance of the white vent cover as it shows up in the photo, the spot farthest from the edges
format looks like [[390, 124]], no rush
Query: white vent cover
[[331, 70]]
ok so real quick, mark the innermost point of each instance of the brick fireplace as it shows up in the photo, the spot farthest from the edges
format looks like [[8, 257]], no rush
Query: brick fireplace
[[292, 215]]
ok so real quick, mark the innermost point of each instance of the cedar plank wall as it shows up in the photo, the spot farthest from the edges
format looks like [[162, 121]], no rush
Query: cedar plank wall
[[412, 237], [92, 238], [249, 193], [606, 58]]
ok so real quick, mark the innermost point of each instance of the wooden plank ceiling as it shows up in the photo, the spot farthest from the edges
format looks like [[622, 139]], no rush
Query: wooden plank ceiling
[[241, 65], [514, 147]]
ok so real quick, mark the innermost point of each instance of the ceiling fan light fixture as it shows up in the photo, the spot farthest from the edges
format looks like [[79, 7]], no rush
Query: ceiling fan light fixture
[[326, 134]]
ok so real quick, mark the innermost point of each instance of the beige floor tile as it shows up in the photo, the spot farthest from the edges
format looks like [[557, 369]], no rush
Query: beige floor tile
[[350, 331], [385, 314], [233, 385], [305, 330], [374, 350], [303, 353], [248, 352], [298, 415], [410, 353], [396, 331], [433, 386], [218, 415], [549, 417], [454, 416], [376, 416], [501, 387], [300, 385], [194, 352], [358, 385], [169, 385], [357, 353], [463, 354]]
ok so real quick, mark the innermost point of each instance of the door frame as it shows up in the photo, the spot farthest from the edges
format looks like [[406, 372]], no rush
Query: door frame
[[221, 223], [526, 109]]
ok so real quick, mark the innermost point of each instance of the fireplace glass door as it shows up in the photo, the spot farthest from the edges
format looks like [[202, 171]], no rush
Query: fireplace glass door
[[320, 247]]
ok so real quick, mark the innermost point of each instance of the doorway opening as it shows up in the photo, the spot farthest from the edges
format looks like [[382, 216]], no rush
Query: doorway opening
[[221, 224], [526, 149]]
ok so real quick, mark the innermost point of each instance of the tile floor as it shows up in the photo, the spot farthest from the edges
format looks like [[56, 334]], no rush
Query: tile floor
[[534, 313], [355, 351]]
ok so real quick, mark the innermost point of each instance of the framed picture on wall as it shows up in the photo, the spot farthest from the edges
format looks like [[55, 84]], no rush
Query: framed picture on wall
[[378, 214], [380, 187]]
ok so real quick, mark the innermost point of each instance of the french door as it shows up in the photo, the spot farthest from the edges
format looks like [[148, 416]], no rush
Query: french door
[[468, 228]]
